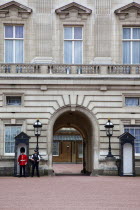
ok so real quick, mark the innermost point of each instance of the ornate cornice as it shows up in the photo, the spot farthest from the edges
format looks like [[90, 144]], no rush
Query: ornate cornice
[[65, 11], [13, 8], [131, 10]]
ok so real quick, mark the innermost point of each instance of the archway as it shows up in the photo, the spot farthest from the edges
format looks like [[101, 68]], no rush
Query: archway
[[68, 151], [85, 122]]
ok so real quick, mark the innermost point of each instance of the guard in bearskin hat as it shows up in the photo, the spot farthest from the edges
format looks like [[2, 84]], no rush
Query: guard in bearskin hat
[[22, 161]]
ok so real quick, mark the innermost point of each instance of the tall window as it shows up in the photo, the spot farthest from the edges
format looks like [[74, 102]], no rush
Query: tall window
[[55, 148], [80, 150], [73, 41], [135, 131], [131, 45], [14, 39], [10, 133]]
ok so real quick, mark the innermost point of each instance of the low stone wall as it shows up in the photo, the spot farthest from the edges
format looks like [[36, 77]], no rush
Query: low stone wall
[[6, 171]]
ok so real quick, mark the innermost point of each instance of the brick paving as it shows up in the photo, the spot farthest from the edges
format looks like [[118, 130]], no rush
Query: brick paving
[[67, 168], [70, 193]]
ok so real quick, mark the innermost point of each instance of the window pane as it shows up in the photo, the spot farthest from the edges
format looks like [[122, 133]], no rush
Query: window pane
[[10, 133], [68, 33], [7, 134], [77, 52], [8, 51], [80, 150], [68, 52], [137, 149], [8, 31], [137, 132], [77, 33], [13, 100], [126, 130], [132, 131], [19, 51], [136, 33], [7, 147], [126, 33], [131, 101], [56, 148], [12, 147], [126, 53], [19, 31], [136, 52]]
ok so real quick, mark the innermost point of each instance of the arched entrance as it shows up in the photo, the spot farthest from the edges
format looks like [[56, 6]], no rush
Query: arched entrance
[[67, 146], [68, 151], [85, 122]]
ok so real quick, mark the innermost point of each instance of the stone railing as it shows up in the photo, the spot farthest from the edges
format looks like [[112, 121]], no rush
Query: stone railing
[[19, 68], [69, 69]]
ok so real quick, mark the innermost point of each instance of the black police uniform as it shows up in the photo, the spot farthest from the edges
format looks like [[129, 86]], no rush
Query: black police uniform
[[35, 164]]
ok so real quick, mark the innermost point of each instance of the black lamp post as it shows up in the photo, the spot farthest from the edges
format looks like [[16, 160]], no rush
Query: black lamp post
[[37, 130], [109, 132]]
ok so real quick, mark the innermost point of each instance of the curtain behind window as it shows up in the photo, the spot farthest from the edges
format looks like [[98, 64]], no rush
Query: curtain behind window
[[68, 52], [19, 51], [10, 133], [8, 51], [131, 101]]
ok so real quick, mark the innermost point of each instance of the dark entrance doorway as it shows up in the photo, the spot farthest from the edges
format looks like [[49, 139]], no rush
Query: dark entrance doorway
[[67, 146]]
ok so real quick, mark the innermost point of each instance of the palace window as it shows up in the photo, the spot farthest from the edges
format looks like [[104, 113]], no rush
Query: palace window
[[131, 45], [56, 148], [13, 100], [135, 131], [14, 39], [10, 133], [73, 45], [80, 150], [132, 101]]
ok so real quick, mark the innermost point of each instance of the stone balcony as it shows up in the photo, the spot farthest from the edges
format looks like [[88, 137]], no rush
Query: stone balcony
[[63, 69]]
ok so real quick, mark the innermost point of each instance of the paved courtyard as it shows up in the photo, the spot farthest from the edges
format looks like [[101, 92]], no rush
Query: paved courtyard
[[67, 168], [70, 192]]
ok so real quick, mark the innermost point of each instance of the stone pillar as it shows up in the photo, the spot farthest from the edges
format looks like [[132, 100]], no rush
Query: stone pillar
[[108, 166]]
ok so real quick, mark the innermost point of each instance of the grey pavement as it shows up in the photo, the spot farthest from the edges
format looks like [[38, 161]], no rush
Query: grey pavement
[[70, 193]]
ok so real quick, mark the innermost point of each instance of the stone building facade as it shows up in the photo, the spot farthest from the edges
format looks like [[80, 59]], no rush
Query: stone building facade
[[69, 64]]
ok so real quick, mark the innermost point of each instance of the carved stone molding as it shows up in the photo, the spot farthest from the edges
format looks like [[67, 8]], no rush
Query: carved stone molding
[[73, 11], [14, 9], [130, 11]]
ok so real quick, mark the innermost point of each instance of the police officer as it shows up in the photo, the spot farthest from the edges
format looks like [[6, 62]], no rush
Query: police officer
[[35, 162]]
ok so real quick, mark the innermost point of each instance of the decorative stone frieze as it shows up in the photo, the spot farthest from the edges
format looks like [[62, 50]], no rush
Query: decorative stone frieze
[[73, 11], [130, 12], [14, 9]]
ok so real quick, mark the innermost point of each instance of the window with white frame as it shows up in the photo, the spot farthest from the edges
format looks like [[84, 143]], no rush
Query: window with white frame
[[14, 41], [55, 148], [135, 131], [131, 45], [13, 100], [10, 133], [132, 101], [73, 45]]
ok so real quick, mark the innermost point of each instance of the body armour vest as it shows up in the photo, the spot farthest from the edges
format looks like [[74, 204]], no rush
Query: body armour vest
[[35, 157]]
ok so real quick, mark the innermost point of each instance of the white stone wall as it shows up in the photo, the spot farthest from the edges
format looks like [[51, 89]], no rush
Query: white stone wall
[[42, 97]]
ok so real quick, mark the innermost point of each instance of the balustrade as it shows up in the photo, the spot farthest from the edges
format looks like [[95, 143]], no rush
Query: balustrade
[[63, 69]]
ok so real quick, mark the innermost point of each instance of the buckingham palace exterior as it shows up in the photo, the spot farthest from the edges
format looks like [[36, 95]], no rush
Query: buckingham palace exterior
[[72, 65]]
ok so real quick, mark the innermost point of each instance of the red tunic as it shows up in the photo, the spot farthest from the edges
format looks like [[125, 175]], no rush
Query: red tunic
[[22, 159]]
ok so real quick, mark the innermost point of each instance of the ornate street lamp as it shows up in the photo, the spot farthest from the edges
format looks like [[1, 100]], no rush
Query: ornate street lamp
[[37, 130], [109, 132]]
